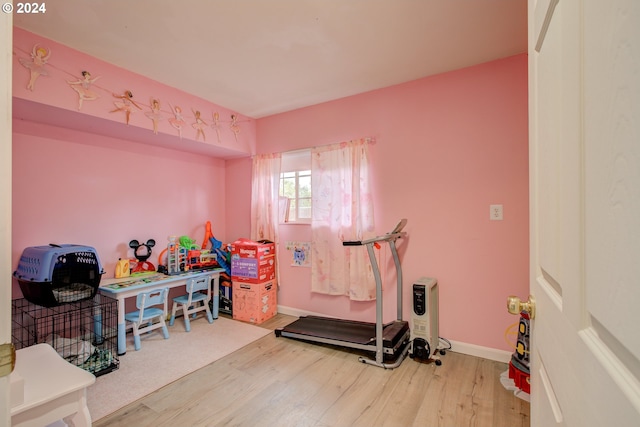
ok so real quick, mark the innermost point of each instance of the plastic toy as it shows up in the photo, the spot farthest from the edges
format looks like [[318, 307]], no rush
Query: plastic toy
[[208, 234], [142, 252], [223, 256], [188, 242], [182, 254], [123, 268]]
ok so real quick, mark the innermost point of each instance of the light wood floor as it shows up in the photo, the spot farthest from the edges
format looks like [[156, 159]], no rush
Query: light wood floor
[[285, 382]]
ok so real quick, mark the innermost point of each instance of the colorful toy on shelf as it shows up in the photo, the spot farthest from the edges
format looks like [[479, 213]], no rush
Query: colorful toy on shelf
[[142, 252], [123, 268], [176, 257], [208, 234], [201, 258], [188, 243], [223, 255], [182, 254]]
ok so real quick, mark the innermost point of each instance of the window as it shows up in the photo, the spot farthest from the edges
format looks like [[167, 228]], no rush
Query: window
[[295, 185]]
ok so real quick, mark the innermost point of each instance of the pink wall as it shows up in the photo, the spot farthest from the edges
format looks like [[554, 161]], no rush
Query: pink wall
[[85, 177], [76, 187], [238, 201], [446, 148]]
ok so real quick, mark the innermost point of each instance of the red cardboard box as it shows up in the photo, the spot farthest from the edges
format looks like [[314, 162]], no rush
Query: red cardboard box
[[253, 270], [255, 302], [253, 262], [245, 248]]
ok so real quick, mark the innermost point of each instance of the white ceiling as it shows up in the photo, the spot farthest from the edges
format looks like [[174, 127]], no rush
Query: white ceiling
[[262, 57]]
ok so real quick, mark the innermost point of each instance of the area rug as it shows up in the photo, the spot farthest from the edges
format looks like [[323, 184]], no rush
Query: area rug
[[160, 362]]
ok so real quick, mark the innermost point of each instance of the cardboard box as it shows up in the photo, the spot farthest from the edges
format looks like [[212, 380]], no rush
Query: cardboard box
[[253, 262], [245, 248], [255, 302], [253, 270]]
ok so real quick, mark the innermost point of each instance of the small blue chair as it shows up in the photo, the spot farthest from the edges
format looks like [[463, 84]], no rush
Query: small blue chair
[[142, 319], [193, 301]]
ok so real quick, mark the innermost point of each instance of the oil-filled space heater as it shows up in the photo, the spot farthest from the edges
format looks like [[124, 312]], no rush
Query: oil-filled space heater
[[425, 338]]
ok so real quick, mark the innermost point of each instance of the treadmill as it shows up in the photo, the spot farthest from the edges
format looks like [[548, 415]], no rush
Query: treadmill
[[388, 342]]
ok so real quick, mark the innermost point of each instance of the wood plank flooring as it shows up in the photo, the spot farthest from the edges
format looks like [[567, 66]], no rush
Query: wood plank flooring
[[285, 382]]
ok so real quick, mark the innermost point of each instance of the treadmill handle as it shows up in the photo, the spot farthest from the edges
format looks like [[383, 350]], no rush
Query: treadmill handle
[[389, 237]]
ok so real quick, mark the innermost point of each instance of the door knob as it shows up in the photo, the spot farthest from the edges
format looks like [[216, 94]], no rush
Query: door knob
[[516, 306]]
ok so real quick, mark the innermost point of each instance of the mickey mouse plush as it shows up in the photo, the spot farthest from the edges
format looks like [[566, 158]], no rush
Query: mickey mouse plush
[[142, 252]]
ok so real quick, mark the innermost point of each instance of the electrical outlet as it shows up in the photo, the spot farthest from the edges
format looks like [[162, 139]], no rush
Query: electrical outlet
[[495, 212]]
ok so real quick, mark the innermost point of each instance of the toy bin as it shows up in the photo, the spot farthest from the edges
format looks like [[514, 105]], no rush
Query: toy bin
[[58, 274], [255, 302]]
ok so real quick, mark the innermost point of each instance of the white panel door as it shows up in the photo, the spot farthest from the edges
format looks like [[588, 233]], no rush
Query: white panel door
[[6, 48], [584, 100]]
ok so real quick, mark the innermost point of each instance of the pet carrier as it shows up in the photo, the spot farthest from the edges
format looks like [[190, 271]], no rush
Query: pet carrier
[[58, 274]]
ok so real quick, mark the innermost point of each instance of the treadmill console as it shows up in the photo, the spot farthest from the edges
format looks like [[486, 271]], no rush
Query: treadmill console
[[400, 226]]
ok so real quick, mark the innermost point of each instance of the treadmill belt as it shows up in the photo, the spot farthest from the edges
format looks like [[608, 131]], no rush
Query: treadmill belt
[[346, 330], [337, 329]]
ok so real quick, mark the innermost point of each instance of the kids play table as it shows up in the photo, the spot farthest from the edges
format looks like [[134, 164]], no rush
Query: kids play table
[[128, 287]]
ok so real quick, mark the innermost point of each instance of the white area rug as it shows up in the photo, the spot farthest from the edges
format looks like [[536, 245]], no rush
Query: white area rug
[[160, 362]]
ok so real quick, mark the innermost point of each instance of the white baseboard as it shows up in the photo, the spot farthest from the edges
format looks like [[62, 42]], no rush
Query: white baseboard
[[457, 346], [297, 313], [480, 351]]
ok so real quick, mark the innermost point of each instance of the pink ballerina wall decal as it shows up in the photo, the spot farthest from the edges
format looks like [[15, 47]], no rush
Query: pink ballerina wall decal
[[125, 103], [235, 128], [83, 87], [39, 58], [199, 125], [154, 115], [177, 121], [216, 125]]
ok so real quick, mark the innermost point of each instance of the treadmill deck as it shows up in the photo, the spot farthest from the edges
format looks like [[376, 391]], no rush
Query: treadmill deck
[[346, 331]]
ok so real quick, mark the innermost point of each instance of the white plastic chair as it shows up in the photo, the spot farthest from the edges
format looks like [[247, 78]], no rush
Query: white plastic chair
[[193, 301], [142, 319]]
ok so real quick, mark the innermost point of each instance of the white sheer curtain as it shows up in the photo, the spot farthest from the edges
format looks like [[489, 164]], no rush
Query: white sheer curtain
[[264, 197], [342, 210]]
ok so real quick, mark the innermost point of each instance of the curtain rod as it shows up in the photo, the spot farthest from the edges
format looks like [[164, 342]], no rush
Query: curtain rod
[[368, 140]]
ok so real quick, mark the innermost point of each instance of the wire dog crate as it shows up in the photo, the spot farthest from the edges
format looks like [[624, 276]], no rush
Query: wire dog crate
[[85, 333]]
